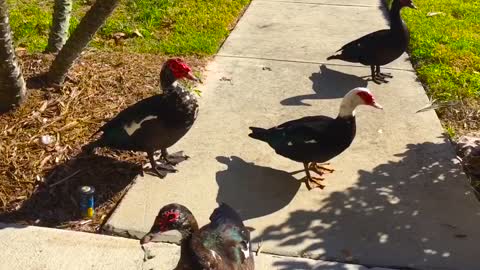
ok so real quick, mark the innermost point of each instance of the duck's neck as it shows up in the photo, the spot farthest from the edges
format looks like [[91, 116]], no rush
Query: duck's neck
[[167, 79], [396, 22], [185, 261], [347, 108]]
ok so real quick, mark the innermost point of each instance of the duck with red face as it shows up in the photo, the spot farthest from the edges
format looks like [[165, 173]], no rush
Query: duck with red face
[[155, 123], [223, 244], [317, 139], [172, 216]]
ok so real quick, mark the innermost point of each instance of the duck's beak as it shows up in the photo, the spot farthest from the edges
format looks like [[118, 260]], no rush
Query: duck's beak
[[376, 105], [412, 5], [152, 236], [192, 77]]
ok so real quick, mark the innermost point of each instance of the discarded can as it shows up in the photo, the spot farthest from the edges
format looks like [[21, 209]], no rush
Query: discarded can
[[86, 201]]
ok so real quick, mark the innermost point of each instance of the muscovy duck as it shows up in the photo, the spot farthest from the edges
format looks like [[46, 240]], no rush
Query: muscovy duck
[[155, 123], [223, 244], [317, 139], [381, 47]]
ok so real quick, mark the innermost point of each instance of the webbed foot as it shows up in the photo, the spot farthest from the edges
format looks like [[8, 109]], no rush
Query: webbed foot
[[158, 168], [312, 182], [175, 158], [321, 168], [384, 75]]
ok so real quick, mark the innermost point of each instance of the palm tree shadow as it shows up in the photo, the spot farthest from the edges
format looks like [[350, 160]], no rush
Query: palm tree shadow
[[254, 191], [54, 205], [402, 205], [327, 84]]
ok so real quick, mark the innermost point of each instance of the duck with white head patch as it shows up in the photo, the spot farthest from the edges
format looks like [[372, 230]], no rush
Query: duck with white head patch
[[155, 123], [317, 139], [223, 244]]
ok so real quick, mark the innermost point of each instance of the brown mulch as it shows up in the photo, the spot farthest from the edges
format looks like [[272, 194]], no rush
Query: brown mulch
[[464, 118], [40, 143]]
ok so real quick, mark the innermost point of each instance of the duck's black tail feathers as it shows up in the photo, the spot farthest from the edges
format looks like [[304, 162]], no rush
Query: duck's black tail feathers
[[88, 148], [337, 56], [258, 133]]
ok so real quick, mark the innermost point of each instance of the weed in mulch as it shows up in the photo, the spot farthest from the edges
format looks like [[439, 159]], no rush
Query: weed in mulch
[[40, 143]]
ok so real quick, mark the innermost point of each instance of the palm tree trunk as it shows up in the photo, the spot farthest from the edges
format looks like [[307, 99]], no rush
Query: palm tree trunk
[[60, 23], [12, 86], [81, 36]]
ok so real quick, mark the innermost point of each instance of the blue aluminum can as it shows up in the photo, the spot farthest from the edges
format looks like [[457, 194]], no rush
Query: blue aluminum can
[[87, 203]]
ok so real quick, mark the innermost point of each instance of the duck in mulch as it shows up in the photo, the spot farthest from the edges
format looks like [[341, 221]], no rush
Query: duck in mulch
[[381, 47], [313, 140], [223, 244], [155, 123]]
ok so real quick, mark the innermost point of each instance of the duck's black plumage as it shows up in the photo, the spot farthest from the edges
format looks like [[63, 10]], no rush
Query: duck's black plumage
[[154, 123], [381, 47], [312, 138], [163, 120], [223, 244], [316, 139]]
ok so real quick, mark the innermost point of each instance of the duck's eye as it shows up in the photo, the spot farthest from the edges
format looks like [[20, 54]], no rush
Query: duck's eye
[[171, 216]]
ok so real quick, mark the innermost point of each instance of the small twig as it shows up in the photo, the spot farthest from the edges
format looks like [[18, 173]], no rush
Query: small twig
[[65, 179], [85, 222], [260, 246]]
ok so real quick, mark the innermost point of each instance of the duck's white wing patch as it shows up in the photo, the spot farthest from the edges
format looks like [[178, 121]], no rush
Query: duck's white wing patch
[[311, 141], [133, 126], [215, 255]]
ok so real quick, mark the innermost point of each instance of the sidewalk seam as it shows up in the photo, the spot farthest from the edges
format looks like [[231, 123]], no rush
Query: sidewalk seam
[[307, 62], [320, 4]]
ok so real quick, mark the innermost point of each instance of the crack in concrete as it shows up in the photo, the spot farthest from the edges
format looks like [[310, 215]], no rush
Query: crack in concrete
[[147, 255], [369, 266]]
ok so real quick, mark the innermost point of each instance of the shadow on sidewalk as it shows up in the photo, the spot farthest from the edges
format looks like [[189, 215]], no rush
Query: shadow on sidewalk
[[254, 191], [327, 84], [56, 206], [389, 217]]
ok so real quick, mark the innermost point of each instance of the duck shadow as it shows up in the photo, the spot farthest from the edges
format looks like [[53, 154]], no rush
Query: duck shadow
[[54, 203], [387, 210], [327, 84], [254, 191]]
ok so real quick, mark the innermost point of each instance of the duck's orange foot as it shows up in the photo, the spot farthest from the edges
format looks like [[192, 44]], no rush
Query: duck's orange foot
[[321, 168], [313, 182]]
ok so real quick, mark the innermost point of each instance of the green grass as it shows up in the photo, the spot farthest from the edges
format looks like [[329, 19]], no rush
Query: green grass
[[172, 27], [445, 48]]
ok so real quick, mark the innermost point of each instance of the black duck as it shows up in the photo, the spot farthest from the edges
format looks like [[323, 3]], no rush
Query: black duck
[[317, 139], [155, 123], [381, 47]]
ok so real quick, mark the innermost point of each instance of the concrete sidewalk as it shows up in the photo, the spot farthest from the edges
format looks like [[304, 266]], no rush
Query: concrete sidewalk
[[397, 199], [29, 248]]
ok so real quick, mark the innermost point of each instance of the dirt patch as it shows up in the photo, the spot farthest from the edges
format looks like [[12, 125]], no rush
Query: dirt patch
[[40, 143]]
